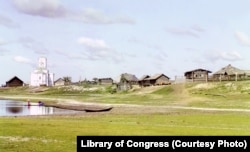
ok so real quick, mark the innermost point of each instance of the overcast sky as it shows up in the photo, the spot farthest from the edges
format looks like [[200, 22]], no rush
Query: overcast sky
[[104, 38]]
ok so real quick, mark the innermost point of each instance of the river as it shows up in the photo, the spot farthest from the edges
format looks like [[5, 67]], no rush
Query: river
[[19, 108]]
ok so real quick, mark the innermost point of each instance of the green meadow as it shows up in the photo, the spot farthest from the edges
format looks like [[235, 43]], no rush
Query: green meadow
[[216, 108]]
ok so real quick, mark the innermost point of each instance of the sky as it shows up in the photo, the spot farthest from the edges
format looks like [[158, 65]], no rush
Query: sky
[[87, 39]]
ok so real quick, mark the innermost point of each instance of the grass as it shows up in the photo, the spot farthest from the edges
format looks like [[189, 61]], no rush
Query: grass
[[58, 133], [164, 91], [233, 95]]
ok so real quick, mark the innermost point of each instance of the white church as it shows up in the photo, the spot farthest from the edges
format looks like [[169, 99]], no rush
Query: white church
[[41, 76]]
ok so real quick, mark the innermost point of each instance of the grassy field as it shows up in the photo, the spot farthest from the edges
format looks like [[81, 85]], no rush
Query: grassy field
[[153, 112]]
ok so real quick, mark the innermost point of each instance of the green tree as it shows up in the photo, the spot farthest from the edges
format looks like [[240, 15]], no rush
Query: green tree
[[67, 80]]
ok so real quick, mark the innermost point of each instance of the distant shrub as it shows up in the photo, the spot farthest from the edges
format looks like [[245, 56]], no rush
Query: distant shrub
[[111, 89]]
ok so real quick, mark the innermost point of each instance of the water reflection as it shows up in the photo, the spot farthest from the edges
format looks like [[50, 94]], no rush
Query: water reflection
[[12, 108]]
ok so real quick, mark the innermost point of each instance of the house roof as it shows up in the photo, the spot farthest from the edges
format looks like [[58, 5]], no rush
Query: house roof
[[15, 77], [229, 70], [59, 79], [196, 70], [105, 79], [129, 77], [144, 77], [154, 77]]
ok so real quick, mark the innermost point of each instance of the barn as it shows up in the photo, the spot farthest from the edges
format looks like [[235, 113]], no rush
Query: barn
[[230, 72], [14, 82], [125, 81], [105, 81], [197, 75], [157, 79], [59, 82]]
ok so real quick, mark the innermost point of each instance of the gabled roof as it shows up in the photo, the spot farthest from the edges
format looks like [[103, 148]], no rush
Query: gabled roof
[[15, 77], [154, 77], [105, 79], [129, 77], [196, 70], [229, 70], [59, 79], [144, 77]]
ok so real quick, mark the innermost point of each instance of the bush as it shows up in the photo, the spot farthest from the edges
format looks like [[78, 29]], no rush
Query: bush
[[111, 89]]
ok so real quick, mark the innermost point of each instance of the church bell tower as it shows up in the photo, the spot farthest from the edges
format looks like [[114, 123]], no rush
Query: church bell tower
[[42, 63]]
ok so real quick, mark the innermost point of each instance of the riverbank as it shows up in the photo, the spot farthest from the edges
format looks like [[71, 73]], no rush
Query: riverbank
[[64, 104], [169, 110], [72, 104]]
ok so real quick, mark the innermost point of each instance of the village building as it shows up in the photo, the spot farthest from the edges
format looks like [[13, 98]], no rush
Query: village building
[[125, 81], [14, 82], [59, 82], [197, 75], [230, 72], [129, 78], [157, 79], [105, 81], [41, 76]]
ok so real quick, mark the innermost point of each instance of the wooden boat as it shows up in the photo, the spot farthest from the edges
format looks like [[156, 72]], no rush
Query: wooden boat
[[80, 108], [98, 109]]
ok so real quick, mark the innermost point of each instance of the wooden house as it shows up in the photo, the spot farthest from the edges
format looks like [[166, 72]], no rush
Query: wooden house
[[157, 79], [125, 81], [59, 82], [230, 72], [129, 78], [197, 75], [14, 82], [105, 81]]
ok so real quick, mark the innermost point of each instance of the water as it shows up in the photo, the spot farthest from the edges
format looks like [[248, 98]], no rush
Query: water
[[18, 108]]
